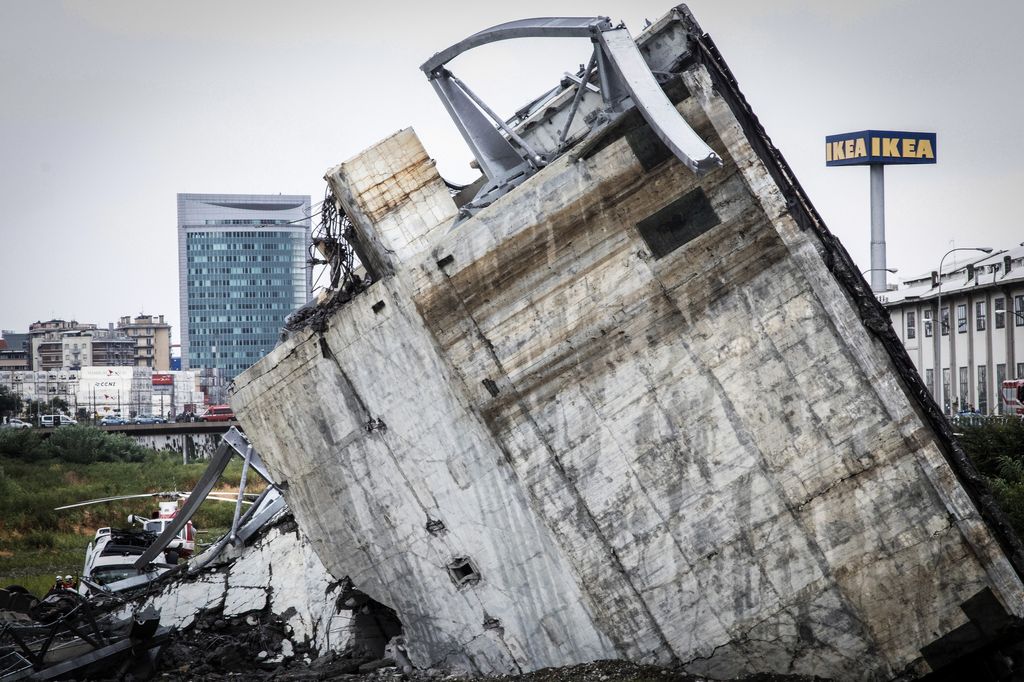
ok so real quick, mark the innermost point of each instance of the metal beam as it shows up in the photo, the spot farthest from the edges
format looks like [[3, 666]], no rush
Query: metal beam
[[531, 156], [233, 535], [581, 85], [655, 107], [237, 440], [266, 512], [218, 463], [271, 505], [538, 27], [123, 646], [625, 79], [495, 155]]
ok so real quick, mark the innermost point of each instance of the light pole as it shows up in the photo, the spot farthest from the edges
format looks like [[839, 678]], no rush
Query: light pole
[[214, 383], [942, 401], [889, 270]]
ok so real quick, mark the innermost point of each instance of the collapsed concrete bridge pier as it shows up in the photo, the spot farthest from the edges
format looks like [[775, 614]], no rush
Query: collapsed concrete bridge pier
[[614, 408]]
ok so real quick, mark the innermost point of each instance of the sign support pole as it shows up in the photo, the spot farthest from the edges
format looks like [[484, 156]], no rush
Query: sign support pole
[[878, 267], [877, 149]]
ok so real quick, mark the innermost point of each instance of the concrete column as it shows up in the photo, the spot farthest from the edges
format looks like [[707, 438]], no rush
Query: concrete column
[[972, 380], [954, 383], [990, 378], [954, 364], [1011, 323], [936, 347]]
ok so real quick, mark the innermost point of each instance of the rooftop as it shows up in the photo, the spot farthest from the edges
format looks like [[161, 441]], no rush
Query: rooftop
[[982, 270]]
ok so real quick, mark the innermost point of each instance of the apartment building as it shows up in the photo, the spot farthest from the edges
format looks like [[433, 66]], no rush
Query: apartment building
[[152, 337]]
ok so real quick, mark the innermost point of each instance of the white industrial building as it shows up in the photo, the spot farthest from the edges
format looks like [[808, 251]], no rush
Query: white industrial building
[[110, 390], [982, 337]]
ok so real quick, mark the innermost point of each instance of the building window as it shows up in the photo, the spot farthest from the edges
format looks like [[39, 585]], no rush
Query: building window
[[929, 380], [983, 389], [962, 395], [944, 322], [979, 316], [1000, 307], [961, 318], [928, 323], [1020, 370], [1018, 311], [1000, 378], [911, 325]]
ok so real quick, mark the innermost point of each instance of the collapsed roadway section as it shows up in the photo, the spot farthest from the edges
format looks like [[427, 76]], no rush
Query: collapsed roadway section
[[625, 397]]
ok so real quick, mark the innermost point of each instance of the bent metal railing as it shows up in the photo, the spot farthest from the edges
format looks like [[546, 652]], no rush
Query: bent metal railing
[[624, 79]]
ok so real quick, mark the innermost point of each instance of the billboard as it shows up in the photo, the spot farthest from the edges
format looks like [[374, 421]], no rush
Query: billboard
[[163, 379], [870, 147]]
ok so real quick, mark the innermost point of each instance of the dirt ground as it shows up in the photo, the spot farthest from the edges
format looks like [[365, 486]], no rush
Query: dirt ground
[[220, 665]]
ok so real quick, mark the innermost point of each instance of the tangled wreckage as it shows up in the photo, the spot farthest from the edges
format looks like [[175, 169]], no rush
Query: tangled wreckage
[[624, 397]]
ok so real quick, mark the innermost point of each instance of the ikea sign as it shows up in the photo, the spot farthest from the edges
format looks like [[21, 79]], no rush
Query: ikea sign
[[869, 147]]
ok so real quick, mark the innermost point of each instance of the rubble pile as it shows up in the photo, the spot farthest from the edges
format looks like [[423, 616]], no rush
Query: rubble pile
[[218, 644], [259, 646], [627, 671], [254, 648]]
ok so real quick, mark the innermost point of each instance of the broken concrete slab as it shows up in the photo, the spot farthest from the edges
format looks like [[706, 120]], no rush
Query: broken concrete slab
[[395, 198], [625, 411], [279, 573]]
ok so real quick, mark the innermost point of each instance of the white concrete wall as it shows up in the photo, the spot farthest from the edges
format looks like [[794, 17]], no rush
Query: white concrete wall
[[193, 445]]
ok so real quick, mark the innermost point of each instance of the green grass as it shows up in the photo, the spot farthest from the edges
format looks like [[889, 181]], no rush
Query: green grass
[[37, 542]]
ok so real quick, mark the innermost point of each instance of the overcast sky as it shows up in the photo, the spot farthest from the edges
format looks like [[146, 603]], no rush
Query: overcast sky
[[112, 107]]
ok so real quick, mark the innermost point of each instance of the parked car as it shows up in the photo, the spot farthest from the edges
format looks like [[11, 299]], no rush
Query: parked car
[[148, 419], [51, 420], [113, 420], [16, 424], [218, 413], [185, 417]]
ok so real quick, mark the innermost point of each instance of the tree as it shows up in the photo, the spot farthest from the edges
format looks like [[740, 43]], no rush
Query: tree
[[10, 402]]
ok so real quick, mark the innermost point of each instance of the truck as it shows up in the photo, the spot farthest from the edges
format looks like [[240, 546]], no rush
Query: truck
[[1012, 392]]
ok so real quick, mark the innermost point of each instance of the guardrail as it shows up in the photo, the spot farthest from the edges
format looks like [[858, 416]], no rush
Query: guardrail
[[982, 419], [154, 429]]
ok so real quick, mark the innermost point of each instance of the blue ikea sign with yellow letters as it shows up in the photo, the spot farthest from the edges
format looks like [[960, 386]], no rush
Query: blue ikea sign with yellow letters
[[869, 147]]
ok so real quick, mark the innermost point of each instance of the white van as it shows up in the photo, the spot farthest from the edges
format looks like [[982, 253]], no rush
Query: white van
[[56, 420]]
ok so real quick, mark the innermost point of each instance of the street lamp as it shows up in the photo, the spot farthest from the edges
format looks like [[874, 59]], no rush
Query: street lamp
[[889, 270], [942, 401]]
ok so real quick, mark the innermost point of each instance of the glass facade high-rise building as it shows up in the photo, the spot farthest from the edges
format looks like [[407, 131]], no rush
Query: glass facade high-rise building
[[242, 268]]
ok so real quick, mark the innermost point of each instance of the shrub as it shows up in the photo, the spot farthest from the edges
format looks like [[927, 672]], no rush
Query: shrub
[[86, 444], [996, 447], [41, 539], [992, 442], [21, 444]]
